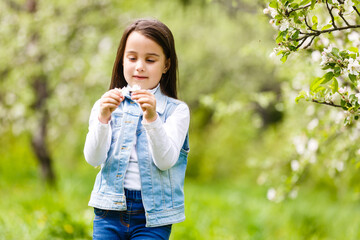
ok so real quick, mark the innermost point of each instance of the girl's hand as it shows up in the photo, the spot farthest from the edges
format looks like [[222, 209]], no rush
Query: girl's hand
[[147, 103], [108, 103]]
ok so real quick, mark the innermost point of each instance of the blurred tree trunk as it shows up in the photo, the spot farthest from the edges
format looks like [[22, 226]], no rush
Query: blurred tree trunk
[[39, 134], [41, 91]]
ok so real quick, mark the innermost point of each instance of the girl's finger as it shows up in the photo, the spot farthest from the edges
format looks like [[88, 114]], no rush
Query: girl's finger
[[111, 101]]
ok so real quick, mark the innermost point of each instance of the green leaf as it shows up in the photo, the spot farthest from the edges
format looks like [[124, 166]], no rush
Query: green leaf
[[354, 49], [314, 19], [284, 57], [344, 54], [273, 4], [313, 2], [301, 95], [280, 37], [352, 78], [334, 86], [337, 71], [327, 26], [327, 77], [304, 2], [316, 84], [335, 51], [294, 5]]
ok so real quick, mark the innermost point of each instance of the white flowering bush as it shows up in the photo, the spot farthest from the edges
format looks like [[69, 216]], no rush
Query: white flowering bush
[[327, 28], [326, 150]]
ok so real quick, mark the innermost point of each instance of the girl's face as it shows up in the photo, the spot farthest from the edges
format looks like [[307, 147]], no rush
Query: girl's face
[[144, 61]]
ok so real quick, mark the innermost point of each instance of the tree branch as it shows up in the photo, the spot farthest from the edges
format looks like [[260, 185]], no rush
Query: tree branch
[[317, 33], [356, 10], [309, 44], [302, 42], [296, 9], [310, 28], [326, 103], [341, 15], [332, 17]]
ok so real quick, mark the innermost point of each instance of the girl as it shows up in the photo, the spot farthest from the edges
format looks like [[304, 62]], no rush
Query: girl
[[138, 133]]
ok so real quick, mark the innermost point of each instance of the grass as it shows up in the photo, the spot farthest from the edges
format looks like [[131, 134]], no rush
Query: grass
[[226, 209]]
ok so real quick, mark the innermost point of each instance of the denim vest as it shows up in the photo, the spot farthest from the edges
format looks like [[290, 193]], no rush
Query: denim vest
[[162, 191]]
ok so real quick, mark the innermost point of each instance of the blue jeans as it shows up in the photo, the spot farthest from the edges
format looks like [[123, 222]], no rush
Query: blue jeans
[[129, 224]]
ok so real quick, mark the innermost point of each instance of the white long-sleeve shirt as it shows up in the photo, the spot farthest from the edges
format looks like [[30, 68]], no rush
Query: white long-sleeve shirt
[[165, 142]]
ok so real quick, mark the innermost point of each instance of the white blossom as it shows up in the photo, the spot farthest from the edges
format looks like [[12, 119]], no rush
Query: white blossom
[[299, 142], [284, 24], [353, 66], [313, 124], [293, 194], [339, 165], [272, 55], [329, 49], [273, 12], [273, 24], [324, 59], [295, 165], [271, 194], [343, 90], [358, 97], [354, 37], [335, 98], [313, 145], [348, 3], [134, 88]]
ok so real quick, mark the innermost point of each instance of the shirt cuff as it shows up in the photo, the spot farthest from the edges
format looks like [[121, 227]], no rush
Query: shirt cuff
[[155, 124], [102, 126]]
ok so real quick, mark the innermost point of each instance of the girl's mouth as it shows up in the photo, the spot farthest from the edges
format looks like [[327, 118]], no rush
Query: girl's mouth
[[139, 77]]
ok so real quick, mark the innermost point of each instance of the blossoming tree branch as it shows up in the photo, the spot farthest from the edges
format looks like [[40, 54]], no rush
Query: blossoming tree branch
[[329, 27]]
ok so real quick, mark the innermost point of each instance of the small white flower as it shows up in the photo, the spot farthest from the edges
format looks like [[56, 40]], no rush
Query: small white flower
[[343, 90], [273, 12], [299, 142], [313, 145], [335, 98], [354, 36], [285, 24], [266, 11], [134, 88], [339, 166], [324, 59], [295, 165], [272, 55], [293, 194], [329, 49], [273, 24], [353, 66], [358, 97], [313, 124], [271, 194], [348, 3]]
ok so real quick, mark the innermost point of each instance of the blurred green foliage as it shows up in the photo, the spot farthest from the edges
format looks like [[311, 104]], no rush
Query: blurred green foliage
[[243, 121]]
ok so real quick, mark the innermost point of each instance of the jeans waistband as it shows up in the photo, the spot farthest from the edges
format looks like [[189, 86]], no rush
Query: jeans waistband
[[133, 194]]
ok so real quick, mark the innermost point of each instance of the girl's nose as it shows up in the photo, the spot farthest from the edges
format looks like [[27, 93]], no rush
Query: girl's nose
[[139, 66]]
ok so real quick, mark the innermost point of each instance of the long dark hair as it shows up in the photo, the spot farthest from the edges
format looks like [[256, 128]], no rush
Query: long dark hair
[[161, 34]]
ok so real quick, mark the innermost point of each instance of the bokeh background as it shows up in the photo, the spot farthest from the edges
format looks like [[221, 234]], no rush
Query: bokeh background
[[246, 130]]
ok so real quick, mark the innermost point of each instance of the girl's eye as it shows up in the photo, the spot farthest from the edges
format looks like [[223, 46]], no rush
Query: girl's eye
[[132, 58], [150, 60]]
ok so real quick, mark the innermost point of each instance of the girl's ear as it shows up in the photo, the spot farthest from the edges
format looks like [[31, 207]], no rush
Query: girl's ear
[[167, 65]]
